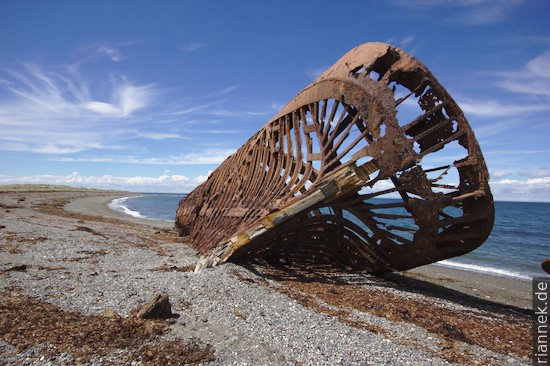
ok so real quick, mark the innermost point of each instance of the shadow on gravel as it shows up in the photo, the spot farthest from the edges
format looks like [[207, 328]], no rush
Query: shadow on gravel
[[397, 280], [498, 328]]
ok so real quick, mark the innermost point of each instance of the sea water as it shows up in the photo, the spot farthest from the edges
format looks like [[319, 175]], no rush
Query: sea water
[[520, 239], [161, 206]]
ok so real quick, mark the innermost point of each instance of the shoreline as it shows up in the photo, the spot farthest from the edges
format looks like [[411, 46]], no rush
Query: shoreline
[[67, 257], [99, 206], [509, 290], [503, 289]]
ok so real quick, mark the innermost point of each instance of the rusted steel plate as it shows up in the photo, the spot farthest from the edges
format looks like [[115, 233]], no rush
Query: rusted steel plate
[[309, 187]]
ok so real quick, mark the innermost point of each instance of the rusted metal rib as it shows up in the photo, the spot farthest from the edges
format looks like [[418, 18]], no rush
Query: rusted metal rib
[[308, 188]]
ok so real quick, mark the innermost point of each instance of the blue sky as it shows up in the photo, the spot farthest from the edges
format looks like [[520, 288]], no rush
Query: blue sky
[[151, 96]]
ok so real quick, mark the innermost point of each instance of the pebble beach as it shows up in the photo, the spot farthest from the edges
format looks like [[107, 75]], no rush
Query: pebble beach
[[73, 274]]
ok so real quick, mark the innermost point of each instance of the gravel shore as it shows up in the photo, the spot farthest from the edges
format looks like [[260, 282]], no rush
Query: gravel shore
[[67, 258]]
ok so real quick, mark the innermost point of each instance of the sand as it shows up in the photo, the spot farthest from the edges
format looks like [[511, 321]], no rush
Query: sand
[[68, 258]]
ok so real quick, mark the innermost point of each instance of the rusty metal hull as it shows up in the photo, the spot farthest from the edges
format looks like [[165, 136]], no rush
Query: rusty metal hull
[[308, 188]]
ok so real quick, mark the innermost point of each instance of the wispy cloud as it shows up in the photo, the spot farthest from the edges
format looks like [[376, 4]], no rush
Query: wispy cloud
[[314, 72], [238, 113], [198, 104], [479, 12], [403, 42], [527, 174], [536, 39], [468, 12], [216, 106], [499, 174], [212, 131], [111, 52], [104, 116], [94, 50], [158, 136], [57, 110], [494, 108], [538, 173], [192, 46], [208, 156], [219, 93], [532, 79], [528, 94], [61, 111], [181, 112], [500, 126], [125, 99]]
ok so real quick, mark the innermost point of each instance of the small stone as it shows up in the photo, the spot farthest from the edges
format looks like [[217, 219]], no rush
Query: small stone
[[158, 308]]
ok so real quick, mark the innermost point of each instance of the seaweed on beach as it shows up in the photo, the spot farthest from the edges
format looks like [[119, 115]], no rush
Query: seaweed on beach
[[499, 328], [27, 323]]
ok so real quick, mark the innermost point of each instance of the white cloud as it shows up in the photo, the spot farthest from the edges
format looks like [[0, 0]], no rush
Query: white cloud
[[532, 79], [110, 52], [102, 108], [494, 108], [238, 114], [538, 173], [130, 98], [126, 98], [404, 43], [530, 95], [58, 111], [63, 110], [532, 189], [529, 86], [220, 93], [210, 156], [522, 189], [185, 111], [314, 72], [212, 131], [499, 174], [488, 11], [379, 186], [469, 12], [204, 157], [541, 39], [159, 135], [215, 107], [94, 51], [164, 183]]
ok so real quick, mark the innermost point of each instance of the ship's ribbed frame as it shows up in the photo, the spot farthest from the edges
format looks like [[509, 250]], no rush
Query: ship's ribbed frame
[[306, 188]]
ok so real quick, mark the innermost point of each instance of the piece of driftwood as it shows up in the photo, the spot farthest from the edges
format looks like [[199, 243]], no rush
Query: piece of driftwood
[[309, 187]]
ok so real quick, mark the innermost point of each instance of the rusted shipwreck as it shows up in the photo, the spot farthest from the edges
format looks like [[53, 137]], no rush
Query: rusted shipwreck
[[308, 188]]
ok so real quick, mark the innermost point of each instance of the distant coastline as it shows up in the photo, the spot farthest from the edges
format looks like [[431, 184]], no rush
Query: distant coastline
[[51, 188]]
